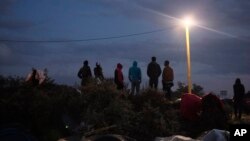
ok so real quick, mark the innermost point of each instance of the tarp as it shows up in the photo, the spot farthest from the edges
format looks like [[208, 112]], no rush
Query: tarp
[[175, 138], [216, 135], [190, 106], [212, 135], [211, 103]]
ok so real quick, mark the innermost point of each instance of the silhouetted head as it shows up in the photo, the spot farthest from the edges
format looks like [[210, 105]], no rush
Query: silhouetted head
[[86, 62], [153, 58], [166, 63], [237, 81], [97, 65], [119, 66], [135, 64]]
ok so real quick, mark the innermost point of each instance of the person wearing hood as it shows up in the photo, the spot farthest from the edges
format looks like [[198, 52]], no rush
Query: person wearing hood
[[134, 76], [119, 77]]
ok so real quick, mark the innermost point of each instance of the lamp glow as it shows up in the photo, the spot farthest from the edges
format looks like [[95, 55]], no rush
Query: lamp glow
[[188, 21]]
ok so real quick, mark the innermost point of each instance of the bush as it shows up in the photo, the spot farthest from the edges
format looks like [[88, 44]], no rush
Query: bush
[[41, 110]]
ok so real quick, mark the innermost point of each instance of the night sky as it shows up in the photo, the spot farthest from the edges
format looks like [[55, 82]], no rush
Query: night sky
[[60, 34]]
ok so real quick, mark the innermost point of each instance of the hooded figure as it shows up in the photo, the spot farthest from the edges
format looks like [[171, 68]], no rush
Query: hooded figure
[[119, 77], [134, 76]]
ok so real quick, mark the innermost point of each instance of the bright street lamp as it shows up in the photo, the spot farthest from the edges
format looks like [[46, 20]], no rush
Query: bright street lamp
[[188, 22]]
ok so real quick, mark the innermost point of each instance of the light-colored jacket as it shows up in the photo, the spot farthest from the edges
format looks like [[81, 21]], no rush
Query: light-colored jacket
[[134, 72]]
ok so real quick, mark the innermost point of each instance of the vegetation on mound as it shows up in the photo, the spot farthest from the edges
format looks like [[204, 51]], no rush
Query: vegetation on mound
[[42, 110]]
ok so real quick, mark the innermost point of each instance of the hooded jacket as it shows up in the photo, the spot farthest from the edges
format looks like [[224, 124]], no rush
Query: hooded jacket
[[134, 72], [119, 75]]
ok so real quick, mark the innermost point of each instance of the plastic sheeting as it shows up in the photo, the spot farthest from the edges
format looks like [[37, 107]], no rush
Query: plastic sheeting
[[190, 106], [212, 135]]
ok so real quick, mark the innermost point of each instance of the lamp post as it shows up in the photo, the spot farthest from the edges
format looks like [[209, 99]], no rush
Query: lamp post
[[187, 22]]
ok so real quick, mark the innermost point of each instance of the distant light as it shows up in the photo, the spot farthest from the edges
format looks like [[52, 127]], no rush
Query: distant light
[[188, 21], [66, 126]]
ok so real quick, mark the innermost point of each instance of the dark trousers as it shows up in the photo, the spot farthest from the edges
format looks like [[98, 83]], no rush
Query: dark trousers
[[119, 86], [153, 83], [135, 85], [167, 89], [238, 109]]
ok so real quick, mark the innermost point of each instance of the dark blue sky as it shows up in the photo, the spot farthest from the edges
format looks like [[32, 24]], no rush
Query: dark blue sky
[[217, 59]]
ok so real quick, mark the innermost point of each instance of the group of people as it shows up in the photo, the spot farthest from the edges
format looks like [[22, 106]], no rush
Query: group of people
[[153, 72], [134, 75], [37, 77], [85, 73]]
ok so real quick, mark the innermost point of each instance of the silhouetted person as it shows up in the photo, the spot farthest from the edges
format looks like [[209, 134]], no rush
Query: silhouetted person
[[34, 77], [167, 79], [85, 73], [98, 72], [153, 72], [239, 92], [119, 77], [134, 76]]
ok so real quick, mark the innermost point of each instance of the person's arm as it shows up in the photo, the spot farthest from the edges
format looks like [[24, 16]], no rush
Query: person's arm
[[140, 74], [79, 74], [173, 74], [234, 92], [159, 71], [90, 73], [148, 70]]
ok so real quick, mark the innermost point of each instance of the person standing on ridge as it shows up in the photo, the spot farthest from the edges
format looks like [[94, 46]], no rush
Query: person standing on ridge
[[153, 72], [167, 79], [134, 76], [33, 77], [239, 92], [119, 77], [85, 73], [98, 72]]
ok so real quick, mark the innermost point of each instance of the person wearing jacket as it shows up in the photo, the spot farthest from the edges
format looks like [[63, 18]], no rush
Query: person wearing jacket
[[85, 73], [153, 72], [239, 92], [98, 72], [134, 76], [119, 77], [167, 79]]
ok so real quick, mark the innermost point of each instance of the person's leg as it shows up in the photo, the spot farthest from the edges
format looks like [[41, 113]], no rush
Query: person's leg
[[132, 88], [240, 107], [235, 110], [156, 84], [168, 92], [151, 83], [137, 85]]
